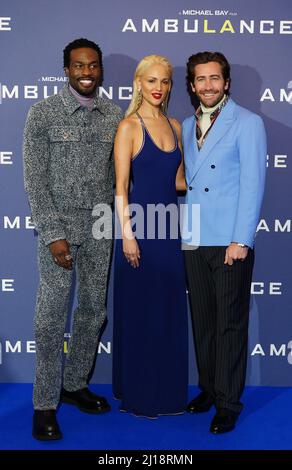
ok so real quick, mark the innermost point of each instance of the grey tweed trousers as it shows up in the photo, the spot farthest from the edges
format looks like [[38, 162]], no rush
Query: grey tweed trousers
[[91, 262]]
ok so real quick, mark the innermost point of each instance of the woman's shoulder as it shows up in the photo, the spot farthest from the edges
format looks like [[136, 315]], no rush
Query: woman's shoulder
[[128, 124], [176, 124]]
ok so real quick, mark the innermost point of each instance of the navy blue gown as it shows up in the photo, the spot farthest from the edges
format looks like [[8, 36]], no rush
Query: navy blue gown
[[150, 339]]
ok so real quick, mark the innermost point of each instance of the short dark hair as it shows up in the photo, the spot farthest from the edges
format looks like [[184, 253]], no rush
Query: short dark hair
[[204, 58], [77, 44]]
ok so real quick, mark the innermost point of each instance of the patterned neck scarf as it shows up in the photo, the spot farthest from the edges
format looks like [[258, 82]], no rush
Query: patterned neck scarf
[[213, 116]]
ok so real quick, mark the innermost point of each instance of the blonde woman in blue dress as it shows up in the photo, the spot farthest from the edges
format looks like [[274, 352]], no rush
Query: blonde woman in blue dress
[[150, 364]]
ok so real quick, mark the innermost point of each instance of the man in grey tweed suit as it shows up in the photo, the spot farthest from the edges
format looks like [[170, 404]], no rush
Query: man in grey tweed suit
[[68, 169]]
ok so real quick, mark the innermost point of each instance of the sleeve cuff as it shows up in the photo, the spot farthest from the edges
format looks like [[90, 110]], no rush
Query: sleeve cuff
[[51, 237]]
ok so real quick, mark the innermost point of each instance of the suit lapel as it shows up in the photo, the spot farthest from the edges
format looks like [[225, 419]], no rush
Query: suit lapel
[[191, 149], [219, 129]]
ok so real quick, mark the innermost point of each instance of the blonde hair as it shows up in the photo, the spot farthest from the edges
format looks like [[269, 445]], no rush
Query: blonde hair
[[143, 65]]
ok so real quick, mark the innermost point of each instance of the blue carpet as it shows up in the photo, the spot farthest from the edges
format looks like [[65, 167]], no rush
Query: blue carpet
[[265, 423]]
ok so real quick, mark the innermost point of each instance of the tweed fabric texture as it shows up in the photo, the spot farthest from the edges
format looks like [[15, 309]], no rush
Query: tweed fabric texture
[[68, 162], [68, 169]]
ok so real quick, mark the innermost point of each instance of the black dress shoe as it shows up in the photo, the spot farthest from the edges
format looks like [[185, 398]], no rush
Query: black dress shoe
[[45, 425], [201, 403], [85, 400], [223, 421]]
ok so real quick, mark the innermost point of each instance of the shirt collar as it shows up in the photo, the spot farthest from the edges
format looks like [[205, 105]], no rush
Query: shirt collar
[[72, 104]]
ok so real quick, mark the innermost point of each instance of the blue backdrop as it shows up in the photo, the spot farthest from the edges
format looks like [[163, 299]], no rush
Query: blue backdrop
[[256, 38]]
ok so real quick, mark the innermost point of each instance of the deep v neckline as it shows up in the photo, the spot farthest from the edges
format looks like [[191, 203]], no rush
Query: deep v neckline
[[151, 138]]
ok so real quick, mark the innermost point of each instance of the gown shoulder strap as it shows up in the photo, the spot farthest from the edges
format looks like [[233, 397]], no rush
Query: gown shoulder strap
[[173, 129], [140, 119]]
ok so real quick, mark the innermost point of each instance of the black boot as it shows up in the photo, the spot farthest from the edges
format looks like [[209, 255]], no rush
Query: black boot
[[85, 400], [201, 403], [223, 421], [45, 425]]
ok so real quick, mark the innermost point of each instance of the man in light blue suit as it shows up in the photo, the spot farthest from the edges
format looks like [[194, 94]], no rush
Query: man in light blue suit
[[225, 162]]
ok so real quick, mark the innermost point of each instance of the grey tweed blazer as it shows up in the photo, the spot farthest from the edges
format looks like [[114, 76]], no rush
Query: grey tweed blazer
[[68, 164]]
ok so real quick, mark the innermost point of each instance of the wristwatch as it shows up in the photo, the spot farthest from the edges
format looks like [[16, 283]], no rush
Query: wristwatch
[[242, 245]]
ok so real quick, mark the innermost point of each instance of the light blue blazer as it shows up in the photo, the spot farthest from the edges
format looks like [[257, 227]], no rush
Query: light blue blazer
[[225, 178]]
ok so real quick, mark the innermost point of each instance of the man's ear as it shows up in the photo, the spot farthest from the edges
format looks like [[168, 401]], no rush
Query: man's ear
[[66, 70], [193, 87]]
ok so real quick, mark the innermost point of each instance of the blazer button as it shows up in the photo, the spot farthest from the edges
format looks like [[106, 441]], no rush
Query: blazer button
[[206, 189], [213, 166], [190, 188]]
